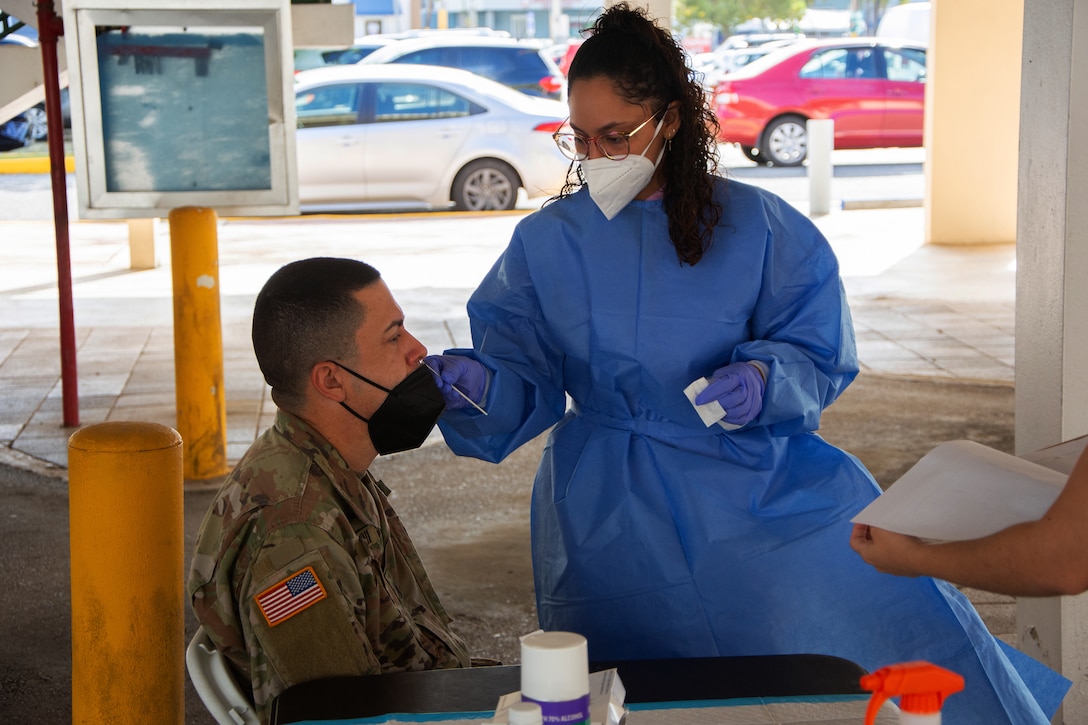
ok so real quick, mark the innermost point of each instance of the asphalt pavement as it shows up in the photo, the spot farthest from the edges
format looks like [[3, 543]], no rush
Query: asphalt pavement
[[934, 326]]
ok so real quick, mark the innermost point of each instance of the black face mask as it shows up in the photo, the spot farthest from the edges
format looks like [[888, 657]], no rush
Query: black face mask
[[408, 414]]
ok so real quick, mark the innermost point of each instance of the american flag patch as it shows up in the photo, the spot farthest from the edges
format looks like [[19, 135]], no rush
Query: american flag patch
[[284, 600]]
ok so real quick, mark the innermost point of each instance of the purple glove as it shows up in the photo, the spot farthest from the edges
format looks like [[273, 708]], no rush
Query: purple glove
[[469, 376], [738, 387]]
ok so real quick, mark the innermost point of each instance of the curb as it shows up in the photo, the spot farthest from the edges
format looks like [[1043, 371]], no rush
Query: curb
[[34, 165], [12, 458], [848, 205]]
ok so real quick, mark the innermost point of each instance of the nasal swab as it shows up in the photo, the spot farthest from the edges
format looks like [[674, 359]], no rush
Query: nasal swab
[[456, 390]]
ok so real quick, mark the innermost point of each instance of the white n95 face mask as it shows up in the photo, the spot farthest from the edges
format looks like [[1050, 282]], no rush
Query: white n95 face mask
[[613, 184]]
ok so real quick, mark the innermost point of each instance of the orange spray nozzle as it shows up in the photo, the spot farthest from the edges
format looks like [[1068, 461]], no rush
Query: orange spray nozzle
[[921, 686]]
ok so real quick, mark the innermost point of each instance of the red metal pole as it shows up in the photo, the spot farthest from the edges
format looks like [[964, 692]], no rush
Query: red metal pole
[[51, 27]]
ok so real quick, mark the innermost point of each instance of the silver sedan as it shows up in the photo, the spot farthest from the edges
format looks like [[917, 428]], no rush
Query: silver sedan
[[410, 136]]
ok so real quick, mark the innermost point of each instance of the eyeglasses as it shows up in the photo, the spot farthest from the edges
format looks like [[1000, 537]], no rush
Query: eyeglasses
[[614, 145]]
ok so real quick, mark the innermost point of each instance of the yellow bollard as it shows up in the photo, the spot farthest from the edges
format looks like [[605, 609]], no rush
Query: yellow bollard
[[126, 531], [198, 342]]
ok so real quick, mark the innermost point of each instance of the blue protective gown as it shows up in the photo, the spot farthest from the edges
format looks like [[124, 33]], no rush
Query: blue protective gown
[[655, 536]]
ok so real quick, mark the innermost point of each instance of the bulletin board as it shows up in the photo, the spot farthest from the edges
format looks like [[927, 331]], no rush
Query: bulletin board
[[186, 103]]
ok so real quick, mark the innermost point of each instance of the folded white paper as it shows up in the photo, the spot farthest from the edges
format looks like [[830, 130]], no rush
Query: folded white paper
[[964, 490], [711, 412]]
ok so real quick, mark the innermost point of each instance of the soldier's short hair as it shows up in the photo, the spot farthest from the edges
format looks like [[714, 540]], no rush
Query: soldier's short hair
[[305, 313]]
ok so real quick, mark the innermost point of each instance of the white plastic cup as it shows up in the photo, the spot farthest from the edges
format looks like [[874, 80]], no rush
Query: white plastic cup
[[555, 675]]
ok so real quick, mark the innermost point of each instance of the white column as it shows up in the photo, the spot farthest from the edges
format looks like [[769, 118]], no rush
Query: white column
[[1052, 294], [821, 140]]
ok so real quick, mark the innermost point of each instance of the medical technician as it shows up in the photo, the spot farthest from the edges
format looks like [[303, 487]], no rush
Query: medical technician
[[651, 286]]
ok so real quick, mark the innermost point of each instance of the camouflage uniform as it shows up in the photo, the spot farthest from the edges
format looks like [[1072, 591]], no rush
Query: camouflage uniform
[[292, 512]]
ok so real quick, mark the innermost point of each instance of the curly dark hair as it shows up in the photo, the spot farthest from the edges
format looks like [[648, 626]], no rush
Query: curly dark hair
[[647, 67]]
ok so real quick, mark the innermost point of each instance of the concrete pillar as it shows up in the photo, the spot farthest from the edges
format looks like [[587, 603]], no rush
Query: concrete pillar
[[972, 121], [1052, 294], [141, 244]]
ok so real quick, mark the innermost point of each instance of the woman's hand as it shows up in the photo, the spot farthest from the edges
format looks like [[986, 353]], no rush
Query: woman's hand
[[738, 388], [469, 377]]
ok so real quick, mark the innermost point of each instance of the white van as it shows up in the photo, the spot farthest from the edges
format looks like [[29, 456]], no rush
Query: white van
[[907, 20]]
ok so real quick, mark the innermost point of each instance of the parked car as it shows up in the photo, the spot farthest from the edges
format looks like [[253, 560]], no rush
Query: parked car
[[410, 136], [19, 39], [38, 124], [754, 40], [28, 126], [519, 64], [364, 45], [739, 43], [310, 58], [563, 53], [873, 89], [450, 32], [14, 133], [716, 64], [34, 117]]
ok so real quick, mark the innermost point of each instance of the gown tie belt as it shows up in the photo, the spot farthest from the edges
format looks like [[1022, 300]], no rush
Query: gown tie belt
[[665, 429]]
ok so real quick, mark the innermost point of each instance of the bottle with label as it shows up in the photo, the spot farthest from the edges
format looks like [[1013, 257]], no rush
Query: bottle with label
[[921, 687], [555, 675]]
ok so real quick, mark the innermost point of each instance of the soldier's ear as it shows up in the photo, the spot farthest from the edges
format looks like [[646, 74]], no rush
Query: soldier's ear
[[327, 379]]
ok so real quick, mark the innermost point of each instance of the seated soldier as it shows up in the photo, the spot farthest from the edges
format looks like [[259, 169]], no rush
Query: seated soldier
[[302, 569]]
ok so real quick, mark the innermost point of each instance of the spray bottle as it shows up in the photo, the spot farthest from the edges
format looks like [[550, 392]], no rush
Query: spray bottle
[[920, 686]]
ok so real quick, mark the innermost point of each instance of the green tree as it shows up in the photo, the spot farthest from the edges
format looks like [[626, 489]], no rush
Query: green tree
[[727, 14]]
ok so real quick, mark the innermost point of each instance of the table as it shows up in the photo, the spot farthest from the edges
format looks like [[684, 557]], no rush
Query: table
[[781, 711], [792, 688]]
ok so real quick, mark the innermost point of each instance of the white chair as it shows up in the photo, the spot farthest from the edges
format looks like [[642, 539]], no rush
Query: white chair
[[215, 684]]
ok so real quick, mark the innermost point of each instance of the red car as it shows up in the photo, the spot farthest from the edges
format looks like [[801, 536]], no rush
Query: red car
[[873, 89]]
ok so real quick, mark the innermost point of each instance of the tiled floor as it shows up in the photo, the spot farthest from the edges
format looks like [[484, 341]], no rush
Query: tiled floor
[[128, 373], [974, 341]]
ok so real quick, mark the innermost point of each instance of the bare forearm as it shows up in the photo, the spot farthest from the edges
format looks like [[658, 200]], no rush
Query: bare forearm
[[1039, 558], [1023, 560]]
